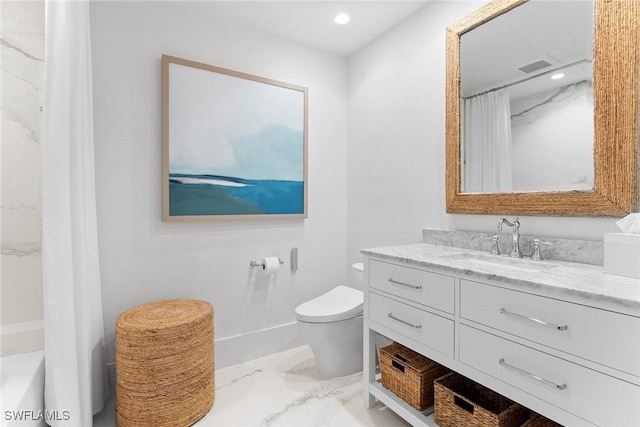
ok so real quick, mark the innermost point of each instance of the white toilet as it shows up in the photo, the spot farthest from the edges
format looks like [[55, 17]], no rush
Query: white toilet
[[332, 326]]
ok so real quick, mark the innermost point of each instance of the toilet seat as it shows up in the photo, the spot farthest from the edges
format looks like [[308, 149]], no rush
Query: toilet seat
[[340, 303]]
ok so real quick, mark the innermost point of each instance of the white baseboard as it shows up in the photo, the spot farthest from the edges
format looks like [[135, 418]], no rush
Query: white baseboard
[[232, 350], [240, 348]]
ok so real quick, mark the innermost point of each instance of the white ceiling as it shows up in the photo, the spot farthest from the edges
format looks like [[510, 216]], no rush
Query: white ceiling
[[312, 22], [492, 52]]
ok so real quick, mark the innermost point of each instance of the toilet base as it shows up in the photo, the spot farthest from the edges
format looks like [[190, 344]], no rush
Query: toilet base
[[336, 346]]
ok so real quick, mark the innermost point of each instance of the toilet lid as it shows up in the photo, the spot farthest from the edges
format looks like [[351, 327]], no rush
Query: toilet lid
[[340, 303]]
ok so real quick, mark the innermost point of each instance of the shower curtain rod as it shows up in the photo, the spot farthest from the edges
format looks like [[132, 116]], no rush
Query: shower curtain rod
[[562, 67]]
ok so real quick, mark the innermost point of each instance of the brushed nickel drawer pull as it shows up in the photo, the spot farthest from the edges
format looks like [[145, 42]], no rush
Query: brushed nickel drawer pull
[[501, 362], [404, 321], [531, 319], [404, 284]]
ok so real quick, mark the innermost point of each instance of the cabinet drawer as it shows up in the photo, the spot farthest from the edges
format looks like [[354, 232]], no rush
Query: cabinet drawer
[[598, 335], [591, 395], [431, 289], [429, 329]]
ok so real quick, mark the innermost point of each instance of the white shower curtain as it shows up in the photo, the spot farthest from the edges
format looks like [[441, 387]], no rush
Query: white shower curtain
[[487, 143], [76, 385]]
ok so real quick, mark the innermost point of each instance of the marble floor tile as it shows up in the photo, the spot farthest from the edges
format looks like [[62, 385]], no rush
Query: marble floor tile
[[284, 389]]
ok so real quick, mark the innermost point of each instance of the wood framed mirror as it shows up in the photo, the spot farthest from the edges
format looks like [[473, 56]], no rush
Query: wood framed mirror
[[616, 122]]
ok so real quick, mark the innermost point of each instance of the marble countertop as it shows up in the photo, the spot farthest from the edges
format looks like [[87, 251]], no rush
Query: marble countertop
[[568, 280]]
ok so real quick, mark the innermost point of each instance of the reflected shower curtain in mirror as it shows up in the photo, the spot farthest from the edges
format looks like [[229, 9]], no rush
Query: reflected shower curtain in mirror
[[487, 143], [75, 370]]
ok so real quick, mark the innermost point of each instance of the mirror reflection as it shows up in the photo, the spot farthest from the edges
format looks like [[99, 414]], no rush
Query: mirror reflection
[[527, 100]]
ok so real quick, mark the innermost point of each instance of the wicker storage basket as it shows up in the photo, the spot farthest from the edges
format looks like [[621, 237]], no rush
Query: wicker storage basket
[[462, 402], [538, 420], [165, 363], [409, 375]]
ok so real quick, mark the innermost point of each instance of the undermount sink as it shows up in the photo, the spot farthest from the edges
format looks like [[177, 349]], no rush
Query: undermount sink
[[499, 261]]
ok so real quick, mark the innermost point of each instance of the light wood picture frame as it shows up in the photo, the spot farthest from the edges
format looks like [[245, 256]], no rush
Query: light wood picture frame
[[234, 145]]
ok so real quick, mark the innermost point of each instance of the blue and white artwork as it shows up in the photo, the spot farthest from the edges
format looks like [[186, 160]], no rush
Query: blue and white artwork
[[235, 144]]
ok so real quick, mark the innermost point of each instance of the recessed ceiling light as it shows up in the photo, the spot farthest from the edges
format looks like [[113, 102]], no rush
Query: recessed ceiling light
[[342, 18], [557, 76]]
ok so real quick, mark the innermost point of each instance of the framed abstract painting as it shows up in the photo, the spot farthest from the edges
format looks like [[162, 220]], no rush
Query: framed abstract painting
[[234, 145]]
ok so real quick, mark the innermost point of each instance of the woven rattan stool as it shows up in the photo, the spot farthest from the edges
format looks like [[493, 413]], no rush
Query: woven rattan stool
[[165, 363]]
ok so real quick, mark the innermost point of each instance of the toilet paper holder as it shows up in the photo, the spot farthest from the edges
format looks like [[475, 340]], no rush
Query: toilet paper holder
[[255, 263]]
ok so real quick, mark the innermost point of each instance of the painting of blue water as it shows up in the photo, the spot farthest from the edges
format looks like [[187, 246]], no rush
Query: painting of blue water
[[193, 195], [235, 145]]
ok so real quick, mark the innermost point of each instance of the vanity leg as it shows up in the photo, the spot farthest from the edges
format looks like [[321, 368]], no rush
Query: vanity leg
[[369, 364]]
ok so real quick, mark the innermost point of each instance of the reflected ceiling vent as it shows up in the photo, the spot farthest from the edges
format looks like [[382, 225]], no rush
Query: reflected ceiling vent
[[537, 64]]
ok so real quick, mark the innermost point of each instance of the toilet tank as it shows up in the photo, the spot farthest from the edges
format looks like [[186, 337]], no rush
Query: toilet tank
[[356, 276]]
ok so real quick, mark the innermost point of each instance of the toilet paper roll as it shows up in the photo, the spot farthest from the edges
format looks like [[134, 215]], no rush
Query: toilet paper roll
[[270, 264]]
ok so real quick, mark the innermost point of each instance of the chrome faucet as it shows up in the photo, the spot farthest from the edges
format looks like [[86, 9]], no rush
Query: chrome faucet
[[515, 236]]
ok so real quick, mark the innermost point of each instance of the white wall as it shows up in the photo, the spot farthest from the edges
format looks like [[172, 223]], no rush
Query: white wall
[[22, 62], [396, 110], [144, 259], [396, 131], [552, 136]]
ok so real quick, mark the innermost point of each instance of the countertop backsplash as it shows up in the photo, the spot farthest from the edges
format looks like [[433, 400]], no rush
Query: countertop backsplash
[[582, 251]]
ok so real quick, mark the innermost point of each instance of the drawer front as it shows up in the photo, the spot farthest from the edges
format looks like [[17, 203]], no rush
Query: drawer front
[[430, 289], [429, 329], [598, 335], [591, 395]]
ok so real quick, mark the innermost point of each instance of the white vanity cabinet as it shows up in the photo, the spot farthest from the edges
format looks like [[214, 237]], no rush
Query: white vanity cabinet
[[600, 336], [435, 291], [569, 357]]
